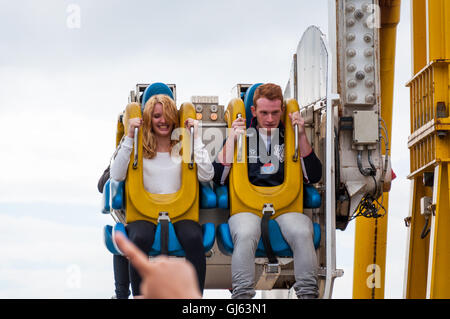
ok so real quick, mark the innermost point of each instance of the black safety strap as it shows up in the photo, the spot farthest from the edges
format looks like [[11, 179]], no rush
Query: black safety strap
[[265, 237], [164, 236]]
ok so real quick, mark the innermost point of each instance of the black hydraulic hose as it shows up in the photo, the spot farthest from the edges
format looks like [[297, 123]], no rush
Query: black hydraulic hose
[[369, 158], [337, 160], [425, 231], [364, 171]]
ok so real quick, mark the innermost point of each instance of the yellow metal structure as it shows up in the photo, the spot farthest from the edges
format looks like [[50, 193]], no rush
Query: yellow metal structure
[[428, 264], [245, 197], [142, 205], [119, 130], [371, 235]]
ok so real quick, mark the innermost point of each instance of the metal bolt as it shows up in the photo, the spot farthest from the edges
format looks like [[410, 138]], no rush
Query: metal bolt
[[352, 96], [351, 36], [370, 98], [360, 75], [351, 52], [359, 14], [368, 68], [368, 38], [350, 22], [368, 52], [369, 83], [351, 67], [351, 83], [350, 7]]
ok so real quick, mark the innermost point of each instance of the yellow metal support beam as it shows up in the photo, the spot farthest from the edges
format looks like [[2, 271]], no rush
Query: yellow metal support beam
[[419, 35], [427, 273], [417, 265], [438, 30], [370, 262], [438, 282]]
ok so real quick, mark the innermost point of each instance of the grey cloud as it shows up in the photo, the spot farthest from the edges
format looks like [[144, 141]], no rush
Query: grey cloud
[[37, 32]]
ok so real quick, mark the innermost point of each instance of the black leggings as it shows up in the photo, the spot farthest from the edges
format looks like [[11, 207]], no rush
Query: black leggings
[[121, 277], [142, 234]]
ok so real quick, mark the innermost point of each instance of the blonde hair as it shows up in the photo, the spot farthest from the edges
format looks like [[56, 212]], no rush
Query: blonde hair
[[170, 114]]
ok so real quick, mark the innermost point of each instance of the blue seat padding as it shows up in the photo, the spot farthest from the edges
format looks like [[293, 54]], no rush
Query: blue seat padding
[[209, 236], [224, 240], [107, 236], [106, 209], [175, 248], [208, 198], [279, 244], [116, 190], [212, 198], [248, 102], [222, 196], [317, 235], [154, 89], [311, 197]]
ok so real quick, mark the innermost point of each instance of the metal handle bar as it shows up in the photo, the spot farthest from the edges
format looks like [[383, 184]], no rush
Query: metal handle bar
[[191, 164], [295, 157], [239, 145], [136, 132]]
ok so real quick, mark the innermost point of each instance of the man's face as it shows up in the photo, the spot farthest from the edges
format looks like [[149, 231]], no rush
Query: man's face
[[267, 112]]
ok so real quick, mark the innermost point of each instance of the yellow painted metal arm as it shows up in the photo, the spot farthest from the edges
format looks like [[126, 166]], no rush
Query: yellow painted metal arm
[[370, 262], [427, 274], [142, 205], [246, 197], [120, 129]]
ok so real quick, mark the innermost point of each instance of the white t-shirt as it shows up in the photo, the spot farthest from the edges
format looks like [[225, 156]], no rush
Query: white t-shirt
[[162, 174]]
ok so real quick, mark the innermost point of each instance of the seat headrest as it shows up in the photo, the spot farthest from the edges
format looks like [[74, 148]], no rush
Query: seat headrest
[[154, 89], [248, 102]]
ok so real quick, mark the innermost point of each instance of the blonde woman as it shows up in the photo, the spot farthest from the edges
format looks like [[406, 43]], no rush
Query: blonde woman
[[162, 175]]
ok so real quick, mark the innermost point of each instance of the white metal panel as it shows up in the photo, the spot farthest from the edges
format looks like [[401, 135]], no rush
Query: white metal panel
[[311, 67]]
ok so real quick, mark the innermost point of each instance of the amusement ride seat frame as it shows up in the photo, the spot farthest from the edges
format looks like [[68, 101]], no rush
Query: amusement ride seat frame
[[245, 197], [142, 205]]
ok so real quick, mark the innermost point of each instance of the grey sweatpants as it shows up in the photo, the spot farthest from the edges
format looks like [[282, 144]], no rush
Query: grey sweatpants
[[298, 232]]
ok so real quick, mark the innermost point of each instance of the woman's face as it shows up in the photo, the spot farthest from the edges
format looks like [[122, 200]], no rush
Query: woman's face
[[160, 126]]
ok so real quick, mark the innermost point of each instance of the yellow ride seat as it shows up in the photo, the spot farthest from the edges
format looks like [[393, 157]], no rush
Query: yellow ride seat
[[246, 197], [142, 205]]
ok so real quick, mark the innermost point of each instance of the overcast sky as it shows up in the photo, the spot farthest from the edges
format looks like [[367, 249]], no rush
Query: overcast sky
[[62, 85]]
